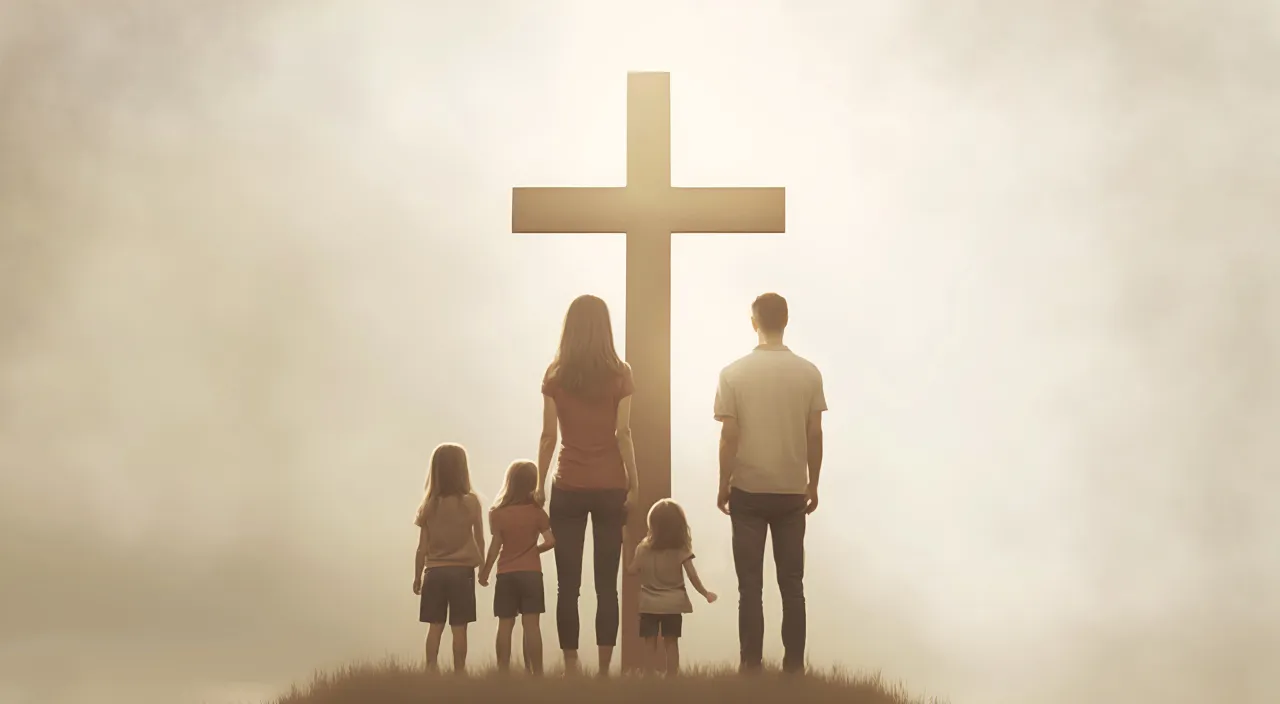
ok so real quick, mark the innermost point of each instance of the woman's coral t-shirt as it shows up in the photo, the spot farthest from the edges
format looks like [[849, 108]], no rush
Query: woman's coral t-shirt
[[589, 455]]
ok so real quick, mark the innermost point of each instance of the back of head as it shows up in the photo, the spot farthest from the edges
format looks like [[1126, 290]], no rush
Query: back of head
[[668, 527], [447, 476], [518, 486], [586, 361], [769, 311]]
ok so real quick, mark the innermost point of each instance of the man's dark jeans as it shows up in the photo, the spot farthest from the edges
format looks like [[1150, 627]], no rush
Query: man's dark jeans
[[753, 516]]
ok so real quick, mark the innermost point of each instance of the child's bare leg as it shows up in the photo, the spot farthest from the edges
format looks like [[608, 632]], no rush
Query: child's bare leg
[[459, 649], [434, 632], [503, 644], [606, 659], [672, 646], [531, 632], [650, 655]]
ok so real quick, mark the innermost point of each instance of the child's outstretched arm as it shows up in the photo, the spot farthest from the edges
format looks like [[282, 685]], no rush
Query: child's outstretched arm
[[696, 581]]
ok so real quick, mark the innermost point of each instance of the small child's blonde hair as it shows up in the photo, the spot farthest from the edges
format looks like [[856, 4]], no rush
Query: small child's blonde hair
[[668, 527]]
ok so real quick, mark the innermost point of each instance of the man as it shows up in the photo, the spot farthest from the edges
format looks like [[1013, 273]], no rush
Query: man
[[770, 405]]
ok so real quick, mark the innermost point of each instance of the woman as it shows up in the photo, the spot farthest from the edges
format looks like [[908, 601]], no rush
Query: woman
[[587, 398]]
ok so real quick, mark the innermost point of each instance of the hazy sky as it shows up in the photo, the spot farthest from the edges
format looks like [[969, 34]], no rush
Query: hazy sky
[[255, 263]]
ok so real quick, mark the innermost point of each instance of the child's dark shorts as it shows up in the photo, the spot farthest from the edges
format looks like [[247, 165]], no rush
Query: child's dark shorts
[[518, 593], [665, 625], [448, 594]]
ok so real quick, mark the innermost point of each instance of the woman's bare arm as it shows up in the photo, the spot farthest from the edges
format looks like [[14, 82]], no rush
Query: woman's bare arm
[[547, 441], [626, 446]]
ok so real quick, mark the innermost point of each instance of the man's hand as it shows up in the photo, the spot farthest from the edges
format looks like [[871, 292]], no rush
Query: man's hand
[[710, 597], [539, 497], [811, 500], [722, 500], [632, 498], [483, 579], [417, 586]]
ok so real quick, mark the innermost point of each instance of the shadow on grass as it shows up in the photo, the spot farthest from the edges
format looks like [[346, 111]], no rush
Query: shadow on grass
[[393, 682]]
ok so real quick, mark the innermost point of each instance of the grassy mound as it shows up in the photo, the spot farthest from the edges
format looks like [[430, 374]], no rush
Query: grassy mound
[[393, 682]]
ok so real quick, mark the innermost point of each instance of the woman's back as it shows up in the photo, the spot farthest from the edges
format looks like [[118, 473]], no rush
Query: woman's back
[[589, 455], [450, 522]]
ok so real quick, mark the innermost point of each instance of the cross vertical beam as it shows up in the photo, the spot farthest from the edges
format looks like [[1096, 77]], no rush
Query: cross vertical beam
[[648, 325]]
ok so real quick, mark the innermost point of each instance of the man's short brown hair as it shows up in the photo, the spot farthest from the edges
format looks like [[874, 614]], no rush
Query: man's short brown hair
[[770, 311]]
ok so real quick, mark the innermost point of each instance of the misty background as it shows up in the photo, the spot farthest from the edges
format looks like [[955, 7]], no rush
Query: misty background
[[256, 262]]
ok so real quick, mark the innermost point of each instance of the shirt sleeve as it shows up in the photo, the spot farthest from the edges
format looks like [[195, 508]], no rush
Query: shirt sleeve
[[818, 401], [725, 405], [627, 385]]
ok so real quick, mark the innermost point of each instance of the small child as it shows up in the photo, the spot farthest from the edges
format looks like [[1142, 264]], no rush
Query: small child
[[450, 546], [661, 560], [515, 522]]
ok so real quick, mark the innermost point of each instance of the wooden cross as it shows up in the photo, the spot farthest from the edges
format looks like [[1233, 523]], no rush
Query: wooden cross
[[648, 210]]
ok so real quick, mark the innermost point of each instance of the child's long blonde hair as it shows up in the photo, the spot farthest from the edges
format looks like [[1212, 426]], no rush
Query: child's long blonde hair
[[668, 527], [447, 476], [518, 486]]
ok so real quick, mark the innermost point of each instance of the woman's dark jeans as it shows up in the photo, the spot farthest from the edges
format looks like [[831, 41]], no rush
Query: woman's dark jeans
[[569, 512]]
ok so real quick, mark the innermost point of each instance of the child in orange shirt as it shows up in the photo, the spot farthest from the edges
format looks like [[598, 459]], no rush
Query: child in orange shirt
[[516, 521]]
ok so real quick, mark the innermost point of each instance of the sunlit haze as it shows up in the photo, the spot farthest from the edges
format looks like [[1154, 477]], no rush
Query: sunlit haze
[[256, 261]]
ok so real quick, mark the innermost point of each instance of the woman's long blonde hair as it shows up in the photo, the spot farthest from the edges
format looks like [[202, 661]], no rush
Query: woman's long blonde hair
[[518, 486], [586, 361], [447, 476], [668, 527]]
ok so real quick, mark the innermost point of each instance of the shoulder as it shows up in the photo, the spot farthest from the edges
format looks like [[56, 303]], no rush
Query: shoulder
[[472, 501], [733, 368]]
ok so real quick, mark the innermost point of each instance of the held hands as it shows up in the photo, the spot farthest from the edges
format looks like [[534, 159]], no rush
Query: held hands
[[483, 579], [539, 496]]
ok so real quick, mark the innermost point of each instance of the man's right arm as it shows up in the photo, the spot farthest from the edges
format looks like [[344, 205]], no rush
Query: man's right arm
[[726, 411], [813, 439]]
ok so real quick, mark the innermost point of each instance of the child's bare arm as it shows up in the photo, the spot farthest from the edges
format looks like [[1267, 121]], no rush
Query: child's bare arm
[[696, 581], [495, 548], [631, 566], [420, 559], [477, 523], [548, 541]]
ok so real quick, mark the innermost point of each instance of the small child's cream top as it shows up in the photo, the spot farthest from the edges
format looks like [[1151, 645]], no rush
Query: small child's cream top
[[662, 580], [450, 524]]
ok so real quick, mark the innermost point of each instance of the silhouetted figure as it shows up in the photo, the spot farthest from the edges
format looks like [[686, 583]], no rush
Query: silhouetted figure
[[450, 545], [515, 522], [587, 396], [770, 404], [662, 560]]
